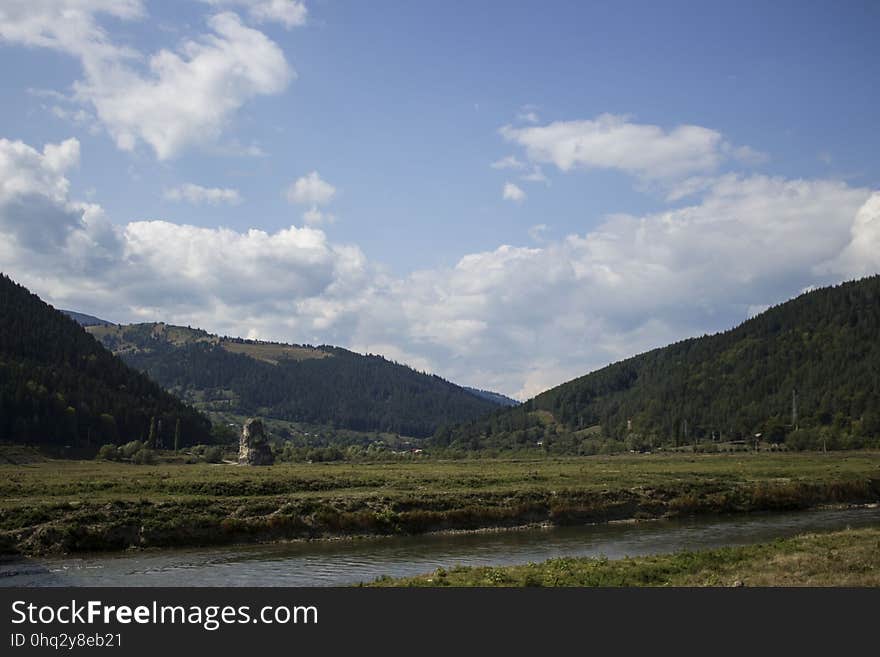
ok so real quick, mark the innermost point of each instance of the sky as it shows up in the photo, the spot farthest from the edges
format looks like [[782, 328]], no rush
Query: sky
[[507, 194]]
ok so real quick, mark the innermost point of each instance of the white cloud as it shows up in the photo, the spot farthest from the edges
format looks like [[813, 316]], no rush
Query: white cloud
[[614, 142], [862, 255], [290, 13], [513, 193], [314, 217], [509, 162], [198, 195], [688, 187], [183, 98], [78, 117], [25, 171], [516, 319], [532, 317], [67, 26], [69, 251], [37, 215], [189, 96], [310, 189]]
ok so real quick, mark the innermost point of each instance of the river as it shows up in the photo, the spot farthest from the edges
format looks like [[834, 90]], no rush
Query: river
[[345, 562]]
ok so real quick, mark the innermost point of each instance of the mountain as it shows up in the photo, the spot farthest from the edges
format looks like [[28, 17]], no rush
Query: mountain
[[59, 386], [86, 320], [496, 397], [298, 383], [811, 364]]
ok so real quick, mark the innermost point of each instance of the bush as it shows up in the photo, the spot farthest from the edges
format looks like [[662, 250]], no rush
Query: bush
[[108, 453], [213, 455], [321, 454], [128, 450], [144, 456]]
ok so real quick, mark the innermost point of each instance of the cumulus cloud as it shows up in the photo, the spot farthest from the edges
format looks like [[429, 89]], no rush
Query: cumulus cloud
[[517, 319], [862, 255], [40, 225], [513, 193], [198, 195], [254, 269], [188, 96], [34, 208], [311, 189], [233, 280], [289, 13], [614, 142], [181, 98], [531, 317]]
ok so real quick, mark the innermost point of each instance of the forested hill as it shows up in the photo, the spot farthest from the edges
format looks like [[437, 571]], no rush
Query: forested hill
[[825, 345], [315, 385], [497, 397], [59, 386]]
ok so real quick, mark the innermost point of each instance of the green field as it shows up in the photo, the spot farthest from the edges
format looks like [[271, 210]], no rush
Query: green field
[[66, 506], [844, 558]]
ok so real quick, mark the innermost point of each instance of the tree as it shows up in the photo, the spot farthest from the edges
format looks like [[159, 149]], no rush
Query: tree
[[774, 430], [151, 439], [177, 435]]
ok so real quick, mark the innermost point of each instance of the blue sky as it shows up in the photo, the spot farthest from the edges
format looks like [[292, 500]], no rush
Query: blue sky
[[669, 169]]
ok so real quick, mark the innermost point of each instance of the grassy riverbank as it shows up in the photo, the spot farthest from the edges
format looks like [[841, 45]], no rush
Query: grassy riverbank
[[843, 558], [69, 506]]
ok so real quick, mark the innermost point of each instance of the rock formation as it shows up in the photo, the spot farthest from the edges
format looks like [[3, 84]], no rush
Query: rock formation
[[253, 448]]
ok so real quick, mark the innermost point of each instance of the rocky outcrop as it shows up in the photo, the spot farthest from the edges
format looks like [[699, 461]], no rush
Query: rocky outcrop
[[253, 448]]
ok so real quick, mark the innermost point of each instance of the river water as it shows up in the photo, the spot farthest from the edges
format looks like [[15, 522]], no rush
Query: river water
[[345, 562]]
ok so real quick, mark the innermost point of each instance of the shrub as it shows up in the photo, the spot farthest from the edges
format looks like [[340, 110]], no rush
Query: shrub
[[213, 455], [144, 456], [108, 453], [128, 450]]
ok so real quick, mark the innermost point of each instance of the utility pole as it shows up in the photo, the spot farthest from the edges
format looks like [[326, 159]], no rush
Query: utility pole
[[794, 415]]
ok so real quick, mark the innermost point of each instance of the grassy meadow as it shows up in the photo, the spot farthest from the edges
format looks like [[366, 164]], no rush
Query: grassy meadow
[[56, 506]]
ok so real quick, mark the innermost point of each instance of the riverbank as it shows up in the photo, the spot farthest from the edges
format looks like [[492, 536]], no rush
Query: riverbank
[[68, 506], [843, 558]]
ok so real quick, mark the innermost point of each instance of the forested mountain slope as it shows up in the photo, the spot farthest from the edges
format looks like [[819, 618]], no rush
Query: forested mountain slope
[[318, 385], [812, 362], [59, 386]]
